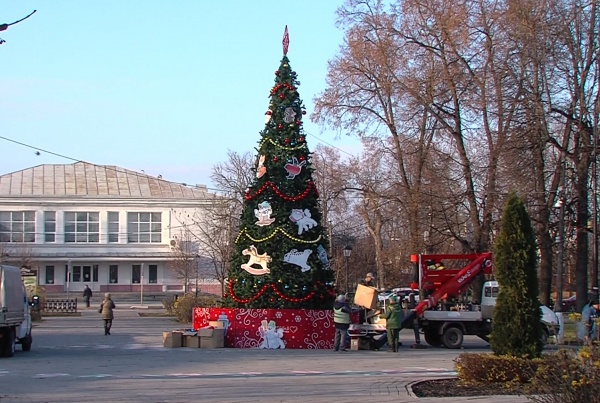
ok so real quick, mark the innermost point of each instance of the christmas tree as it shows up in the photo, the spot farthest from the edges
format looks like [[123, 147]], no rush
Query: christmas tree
[[280, 258]]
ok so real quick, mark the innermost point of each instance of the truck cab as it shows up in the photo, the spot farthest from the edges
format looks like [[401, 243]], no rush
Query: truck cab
[[15, 313]]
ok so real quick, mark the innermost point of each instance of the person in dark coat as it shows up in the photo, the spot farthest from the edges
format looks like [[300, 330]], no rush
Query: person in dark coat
[[106, 309], [369, 280], [87, 295], [341, 320]]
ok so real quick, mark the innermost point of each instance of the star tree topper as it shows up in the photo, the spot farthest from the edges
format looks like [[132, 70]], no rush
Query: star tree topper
[[286, 41]]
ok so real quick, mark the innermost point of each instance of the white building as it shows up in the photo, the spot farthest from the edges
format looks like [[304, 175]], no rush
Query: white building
[[104, 226]]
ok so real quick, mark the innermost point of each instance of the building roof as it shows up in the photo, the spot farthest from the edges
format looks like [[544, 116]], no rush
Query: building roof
[[89, 180]]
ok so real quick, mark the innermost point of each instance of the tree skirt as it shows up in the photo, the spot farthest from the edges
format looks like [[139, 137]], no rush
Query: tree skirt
[[270, 328]]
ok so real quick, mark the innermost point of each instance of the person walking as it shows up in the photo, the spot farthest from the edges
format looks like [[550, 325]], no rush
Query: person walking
[[393, 315], [87, 295], [106, 309], [589, 315], [341, 320]]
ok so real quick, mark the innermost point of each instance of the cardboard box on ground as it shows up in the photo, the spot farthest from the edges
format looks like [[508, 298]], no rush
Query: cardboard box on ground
[[211, 338], [366, 297], [172, 339], [203, 338], [359, 343]]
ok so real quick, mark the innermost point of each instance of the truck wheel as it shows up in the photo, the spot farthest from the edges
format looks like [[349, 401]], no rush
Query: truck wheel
[[8, 349], [433, 339], [452, 337], [26, 343]]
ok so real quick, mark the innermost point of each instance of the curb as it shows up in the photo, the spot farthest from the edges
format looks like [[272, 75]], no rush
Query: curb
[[146, 307], [409, 390], [412, 394]]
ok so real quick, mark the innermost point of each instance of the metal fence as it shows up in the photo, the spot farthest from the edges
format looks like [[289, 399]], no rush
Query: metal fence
[[60, 305]]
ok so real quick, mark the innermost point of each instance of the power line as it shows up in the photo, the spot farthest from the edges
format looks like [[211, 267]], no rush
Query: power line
[[135, 173], [330, 145]]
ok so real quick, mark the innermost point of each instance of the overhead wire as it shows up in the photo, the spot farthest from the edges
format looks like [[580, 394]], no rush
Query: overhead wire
[[142, 175]]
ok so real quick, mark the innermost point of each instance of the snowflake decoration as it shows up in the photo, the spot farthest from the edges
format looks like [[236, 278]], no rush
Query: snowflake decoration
[[278, 315], [298, 319]]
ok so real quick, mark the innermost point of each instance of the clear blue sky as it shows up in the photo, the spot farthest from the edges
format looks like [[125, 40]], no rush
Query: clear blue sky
[[166, 87]]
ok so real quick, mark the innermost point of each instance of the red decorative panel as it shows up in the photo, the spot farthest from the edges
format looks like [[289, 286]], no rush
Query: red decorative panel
[[271, 328]]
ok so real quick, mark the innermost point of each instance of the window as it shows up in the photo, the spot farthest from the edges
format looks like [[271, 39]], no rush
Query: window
[[49, 274], [136, 273], [95, 273], [152, 274], [491, 292], [113, 273], [17, 226], [82, 227], [76, 276], [49, 226], [144, 227], [113, 227], [87, 274]]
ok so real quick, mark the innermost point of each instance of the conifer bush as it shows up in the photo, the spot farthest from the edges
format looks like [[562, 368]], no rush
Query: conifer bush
[[517, 329]]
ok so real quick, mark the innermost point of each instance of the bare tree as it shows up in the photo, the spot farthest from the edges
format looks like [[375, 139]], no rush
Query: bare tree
[[183, 262]]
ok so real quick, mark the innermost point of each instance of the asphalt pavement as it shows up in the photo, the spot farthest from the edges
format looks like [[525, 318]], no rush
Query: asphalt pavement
[[73, 361]]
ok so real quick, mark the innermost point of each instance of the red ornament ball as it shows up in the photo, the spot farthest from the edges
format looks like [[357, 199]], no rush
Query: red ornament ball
[[269, 112], [280, 126], [287, 141], [301, 158], [301, 138], [304, 112], [281, 96], [298, 123], [272, 299], [277, 73], [275, 159]]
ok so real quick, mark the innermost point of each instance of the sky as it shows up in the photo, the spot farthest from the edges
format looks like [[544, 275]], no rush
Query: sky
[[163, 87]]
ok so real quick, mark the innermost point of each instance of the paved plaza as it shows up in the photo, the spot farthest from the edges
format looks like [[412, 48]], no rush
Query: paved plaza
[[72, 361]]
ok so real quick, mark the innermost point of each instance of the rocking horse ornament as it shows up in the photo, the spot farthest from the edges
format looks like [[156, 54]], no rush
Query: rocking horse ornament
[[262, 260]]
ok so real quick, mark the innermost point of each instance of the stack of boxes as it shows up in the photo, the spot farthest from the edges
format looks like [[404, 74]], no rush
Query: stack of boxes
[[202, 338]]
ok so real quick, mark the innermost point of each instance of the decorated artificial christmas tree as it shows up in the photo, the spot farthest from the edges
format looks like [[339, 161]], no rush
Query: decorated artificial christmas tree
[[280, 258]]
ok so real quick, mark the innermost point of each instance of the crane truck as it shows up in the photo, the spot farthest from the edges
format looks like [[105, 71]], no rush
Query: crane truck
[[15, 315], [443, 315]]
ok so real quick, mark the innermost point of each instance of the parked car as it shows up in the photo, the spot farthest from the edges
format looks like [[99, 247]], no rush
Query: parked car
[[550, 322], [569, 304]]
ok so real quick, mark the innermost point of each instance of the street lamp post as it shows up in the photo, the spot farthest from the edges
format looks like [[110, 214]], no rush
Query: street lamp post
[[560, 204], [196, 264], [347, 253]]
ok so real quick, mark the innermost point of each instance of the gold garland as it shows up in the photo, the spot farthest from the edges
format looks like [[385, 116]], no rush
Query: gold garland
[[280, 146], [284, 232]]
